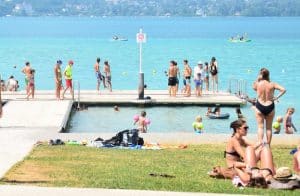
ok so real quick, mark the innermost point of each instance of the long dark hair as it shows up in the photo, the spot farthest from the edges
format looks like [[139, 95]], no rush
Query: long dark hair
[[258, 182], [236, 124]]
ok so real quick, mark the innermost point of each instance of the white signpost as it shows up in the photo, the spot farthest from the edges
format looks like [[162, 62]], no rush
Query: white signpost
[[140, 39]]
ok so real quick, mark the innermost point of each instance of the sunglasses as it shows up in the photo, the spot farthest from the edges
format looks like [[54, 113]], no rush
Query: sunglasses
[[245, 128]]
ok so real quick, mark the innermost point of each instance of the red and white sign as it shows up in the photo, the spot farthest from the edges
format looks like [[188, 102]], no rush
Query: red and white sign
[[141, 38]]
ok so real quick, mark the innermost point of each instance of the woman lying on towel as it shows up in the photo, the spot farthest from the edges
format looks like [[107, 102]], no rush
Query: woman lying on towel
[[238, 144], [248, 174]]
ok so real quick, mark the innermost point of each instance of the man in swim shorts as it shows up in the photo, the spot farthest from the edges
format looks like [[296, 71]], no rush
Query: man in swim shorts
[[98, 73], [187, 78], [198, 78], [172, 80], [26, 70], [68, 73]]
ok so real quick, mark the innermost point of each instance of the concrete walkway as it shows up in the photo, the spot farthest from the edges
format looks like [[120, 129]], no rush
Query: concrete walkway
[[45, 191]]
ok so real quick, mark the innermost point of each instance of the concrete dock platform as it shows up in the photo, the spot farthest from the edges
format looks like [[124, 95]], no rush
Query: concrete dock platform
[[35, 114], [129, 97]]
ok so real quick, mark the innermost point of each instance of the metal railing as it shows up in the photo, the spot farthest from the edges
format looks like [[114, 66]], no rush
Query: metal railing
[[238, 87], [78, 93]]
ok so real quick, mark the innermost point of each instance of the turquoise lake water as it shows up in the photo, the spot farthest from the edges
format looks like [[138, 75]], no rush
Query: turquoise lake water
[[275, 45]]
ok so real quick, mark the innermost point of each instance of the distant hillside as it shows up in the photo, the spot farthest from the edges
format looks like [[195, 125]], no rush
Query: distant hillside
[[150, 7]]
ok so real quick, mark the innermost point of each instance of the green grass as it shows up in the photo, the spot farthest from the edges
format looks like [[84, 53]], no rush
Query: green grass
[[79, 166]]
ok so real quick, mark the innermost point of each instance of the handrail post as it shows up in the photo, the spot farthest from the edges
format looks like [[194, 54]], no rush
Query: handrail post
[[78, 94]]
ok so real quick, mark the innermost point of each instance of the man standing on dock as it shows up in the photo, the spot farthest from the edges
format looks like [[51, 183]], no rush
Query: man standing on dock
[[172, 79], [98, 74], [68, 77], [26, 70]]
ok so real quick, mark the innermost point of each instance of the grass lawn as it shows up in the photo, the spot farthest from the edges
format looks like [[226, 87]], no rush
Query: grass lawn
[[79, 166]]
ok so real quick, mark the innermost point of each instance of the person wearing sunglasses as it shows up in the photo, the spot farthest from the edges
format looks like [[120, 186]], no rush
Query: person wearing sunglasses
[[238, 144]]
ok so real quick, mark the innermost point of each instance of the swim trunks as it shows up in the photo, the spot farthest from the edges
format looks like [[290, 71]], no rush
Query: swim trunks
[[265, 110], [98, 76], [69, 83], [187, 80], [172, 81], [198, 83]]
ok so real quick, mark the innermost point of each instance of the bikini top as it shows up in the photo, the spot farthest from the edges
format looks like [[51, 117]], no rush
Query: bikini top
[[234, 153]]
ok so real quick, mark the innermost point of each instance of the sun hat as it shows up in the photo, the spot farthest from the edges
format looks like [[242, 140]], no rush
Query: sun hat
[[284, 173], [200, 63]]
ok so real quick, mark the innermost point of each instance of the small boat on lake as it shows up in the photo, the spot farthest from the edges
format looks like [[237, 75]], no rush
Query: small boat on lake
[[220, 116], [117, 38]]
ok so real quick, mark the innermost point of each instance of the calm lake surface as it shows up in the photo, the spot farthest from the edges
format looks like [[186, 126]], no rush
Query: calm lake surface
[[275, 44]]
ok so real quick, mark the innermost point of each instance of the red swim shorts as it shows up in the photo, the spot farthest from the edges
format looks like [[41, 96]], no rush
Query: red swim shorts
[[69, 83]]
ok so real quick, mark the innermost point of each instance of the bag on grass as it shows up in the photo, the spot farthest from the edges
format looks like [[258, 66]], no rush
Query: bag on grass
[[125, 138]]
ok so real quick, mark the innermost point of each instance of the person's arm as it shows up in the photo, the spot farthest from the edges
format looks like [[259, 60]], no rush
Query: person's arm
[[255, 145], [281, 89], [254, 86], [294, 127], [23, 70], [56, 75], [244, 176], [284, 123]]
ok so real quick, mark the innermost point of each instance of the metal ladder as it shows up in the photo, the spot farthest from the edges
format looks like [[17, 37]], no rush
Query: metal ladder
[[238, 87]]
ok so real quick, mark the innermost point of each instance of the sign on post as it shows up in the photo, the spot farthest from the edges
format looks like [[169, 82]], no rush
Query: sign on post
[[141, 37]]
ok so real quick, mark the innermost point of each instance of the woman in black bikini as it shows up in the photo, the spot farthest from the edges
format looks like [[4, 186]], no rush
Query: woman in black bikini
[[213, 68], [265, 107], [238, 145]]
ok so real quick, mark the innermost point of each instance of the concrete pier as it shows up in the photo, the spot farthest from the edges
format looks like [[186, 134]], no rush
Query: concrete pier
[[130, 97]]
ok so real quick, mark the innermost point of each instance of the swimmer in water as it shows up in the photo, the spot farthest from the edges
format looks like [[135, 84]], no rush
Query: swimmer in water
[[116, 108], [141, 123], [277, 125], [198, 125]]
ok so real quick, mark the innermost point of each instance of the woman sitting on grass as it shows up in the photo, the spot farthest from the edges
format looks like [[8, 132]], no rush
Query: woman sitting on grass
[[235, 148]]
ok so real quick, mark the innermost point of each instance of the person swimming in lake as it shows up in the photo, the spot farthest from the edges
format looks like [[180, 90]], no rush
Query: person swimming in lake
[[264, 105], [116, 108], [277, 125], [239, 113], [198, 125], [141, 122], [287, 122], [217, 111], [209, 111]]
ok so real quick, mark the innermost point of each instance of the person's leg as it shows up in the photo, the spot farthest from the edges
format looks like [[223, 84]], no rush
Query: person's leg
[[188, 90], [269, 121], [216, 80], [213, 83], [63, 94], [296, 161], [250, 157], [266, 159], [260, 119], [32, 91]]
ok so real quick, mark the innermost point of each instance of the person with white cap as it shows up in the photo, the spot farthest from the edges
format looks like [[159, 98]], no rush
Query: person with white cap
[[198, 78]]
